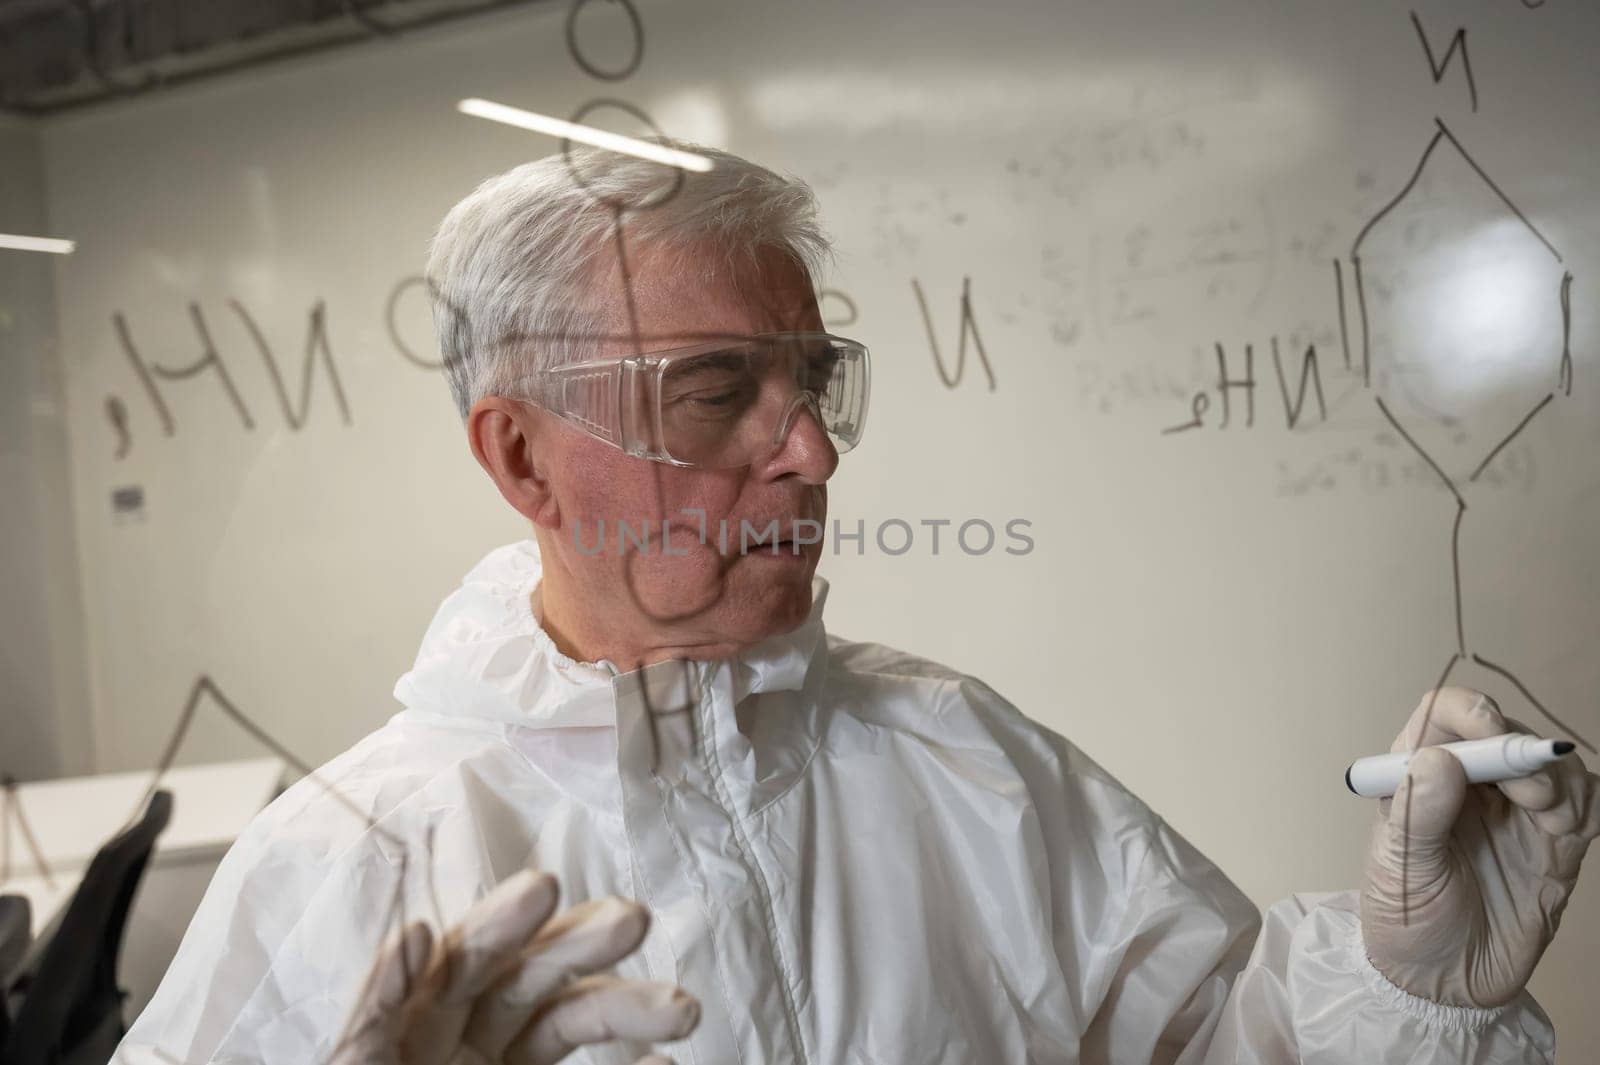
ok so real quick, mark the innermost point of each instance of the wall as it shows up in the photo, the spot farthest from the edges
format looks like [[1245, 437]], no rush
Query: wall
[[44, 727]]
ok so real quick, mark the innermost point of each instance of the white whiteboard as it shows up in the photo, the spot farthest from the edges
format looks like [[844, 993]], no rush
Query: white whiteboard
[[1126, 186]]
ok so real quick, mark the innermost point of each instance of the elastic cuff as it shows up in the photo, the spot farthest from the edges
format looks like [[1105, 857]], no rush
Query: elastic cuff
[[1450, 1018]]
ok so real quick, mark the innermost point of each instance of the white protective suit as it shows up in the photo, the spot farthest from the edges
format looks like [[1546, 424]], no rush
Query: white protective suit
[[851, 856]]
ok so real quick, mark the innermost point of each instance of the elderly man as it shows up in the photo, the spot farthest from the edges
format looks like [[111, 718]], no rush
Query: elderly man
[[836, 852]]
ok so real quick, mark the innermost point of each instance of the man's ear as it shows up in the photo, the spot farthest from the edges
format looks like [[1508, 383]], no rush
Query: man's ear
[[504, 435]]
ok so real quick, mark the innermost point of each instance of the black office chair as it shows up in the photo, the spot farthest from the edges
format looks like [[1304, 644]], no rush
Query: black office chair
[[71, 1007], [16, 932]]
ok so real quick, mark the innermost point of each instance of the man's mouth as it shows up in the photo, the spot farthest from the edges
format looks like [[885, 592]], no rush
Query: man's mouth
[[787, 545]]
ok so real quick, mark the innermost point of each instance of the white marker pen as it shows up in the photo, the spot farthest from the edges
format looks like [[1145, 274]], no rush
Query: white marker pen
[[1516, 754]]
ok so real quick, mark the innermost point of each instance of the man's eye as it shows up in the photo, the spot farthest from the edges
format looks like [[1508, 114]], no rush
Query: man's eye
[[820, 371], [714, 399]]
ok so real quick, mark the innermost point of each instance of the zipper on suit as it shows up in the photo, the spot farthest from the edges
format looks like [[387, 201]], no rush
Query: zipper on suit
[[713, 766]]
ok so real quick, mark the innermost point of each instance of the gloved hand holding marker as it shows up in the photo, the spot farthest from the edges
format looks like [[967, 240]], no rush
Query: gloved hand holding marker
[[1465, 886], [1486, 761]]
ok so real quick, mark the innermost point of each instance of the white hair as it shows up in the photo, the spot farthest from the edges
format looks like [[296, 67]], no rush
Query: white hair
[[513, 266]]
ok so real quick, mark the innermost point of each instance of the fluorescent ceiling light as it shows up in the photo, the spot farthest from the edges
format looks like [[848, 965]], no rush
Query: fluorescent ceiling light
[[556, 127], [60, 247]]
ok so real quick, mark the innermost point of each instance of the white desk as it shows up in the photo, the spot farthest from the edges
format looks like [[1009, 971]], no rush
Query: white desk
[[73, 818]]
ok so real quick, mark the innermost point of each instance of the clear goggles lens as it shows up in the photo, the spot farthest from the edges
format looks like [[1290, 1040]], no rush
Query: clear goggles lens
[[733, 407]]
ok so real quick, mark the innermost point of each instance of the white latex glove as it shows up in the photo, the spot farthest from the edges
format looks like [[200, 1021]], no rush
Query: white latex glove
[[1460, 909], [509, 985]]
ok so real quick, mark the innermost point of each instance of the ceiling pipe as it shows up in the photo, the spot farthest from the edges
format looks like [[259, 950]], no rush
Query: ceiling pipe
[[104, 86]]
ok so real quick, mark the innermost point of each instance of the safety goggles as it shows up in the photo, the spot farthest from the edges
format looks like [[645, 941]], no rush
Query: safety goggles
[[716, 405]]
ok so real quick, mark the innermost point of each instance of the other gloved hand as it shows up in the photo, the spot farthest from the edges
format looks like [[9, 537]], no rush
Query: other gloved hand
[[1459, 906], [510, 985]]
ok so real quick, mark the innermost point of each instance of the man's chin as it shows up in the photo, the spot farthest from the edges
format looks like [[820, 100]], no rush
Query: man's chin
[[780, 608], [796, 608]]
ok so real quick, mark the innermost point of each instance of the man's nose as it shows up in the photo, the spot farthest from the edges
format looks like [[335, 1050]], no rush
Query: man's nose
[[804, 448]]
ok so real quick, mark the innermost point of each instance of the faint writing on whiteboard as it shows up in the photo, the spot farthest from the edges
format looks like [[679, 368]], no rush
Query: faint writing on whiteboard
[[1385, 464], [1070, 165], [1225, 259]]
